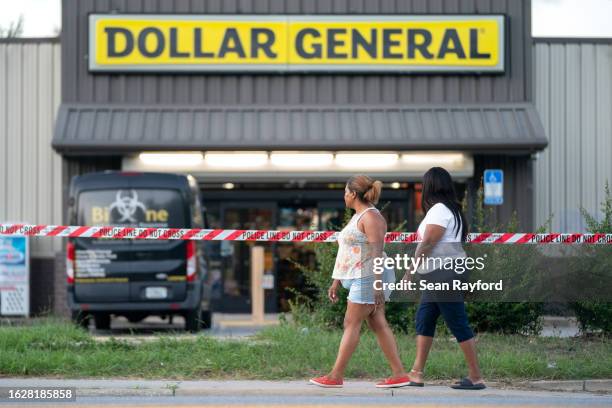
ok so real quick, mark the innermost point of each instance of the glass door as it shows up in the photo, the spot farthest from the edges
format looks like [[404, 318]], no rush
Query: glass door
[[294, 215], [233, 283]]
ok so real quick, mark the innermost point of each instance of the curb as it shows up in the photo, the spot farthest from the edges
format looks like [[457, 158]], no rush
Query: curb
[[598, 386]]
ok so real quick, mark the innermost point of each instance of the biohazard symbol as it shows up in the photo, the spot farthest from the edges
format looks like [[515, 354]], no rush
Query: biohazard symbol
[[127, 205]]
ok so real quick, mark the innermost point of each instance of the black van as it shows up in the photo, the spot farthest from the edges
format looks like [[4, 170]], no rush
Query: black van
[[136, 278]]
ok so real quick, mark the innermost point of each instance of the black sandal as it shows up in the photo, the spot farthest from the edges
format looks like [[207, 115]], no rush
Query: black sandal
[[467, 384], [415, 384]]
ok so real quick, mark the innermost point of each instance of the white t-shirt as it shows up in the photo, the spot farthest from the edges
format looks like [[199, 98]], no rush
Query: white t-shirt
[[440, 215], [449, 245]]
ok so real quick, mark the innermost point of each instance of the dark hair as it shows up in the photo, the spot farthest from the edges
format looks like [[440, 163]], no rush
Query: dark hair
[[367, 189], [438, 188]]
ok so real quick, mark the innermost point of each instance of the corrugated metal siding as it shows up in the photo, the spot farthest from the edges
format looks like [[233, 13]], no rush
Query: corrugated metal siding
[[30, 171], [296, 89], [573, 93], [119, 128]]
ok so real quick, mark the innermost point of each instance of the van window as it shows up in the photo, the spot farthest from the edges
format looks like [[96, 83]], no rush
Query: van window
[[131, 208]]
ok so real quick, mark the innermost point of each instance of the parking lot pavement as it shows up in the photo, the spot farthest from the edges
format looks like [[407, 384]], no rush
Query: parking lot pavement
[[225, 326]]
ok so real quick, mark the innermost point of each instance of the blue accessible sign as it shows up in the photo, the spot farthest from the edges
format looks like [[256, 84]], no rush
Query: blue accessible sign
[[493, 187]]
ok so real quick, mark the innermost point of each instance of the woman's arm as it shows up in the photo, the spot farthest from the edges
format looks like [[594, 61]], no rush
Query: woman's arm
[[432, 235], [375, 229]]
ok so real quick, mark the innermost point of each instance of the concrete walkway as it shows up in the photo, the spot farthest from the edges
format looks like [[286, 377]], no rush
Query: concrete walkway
[[123, 392]]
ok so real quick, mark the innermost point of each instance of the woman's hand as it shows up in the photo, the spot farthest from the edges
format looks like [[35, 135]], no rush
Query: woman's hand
[[409, 271], [332, 292], [408, 275], [379, 299]]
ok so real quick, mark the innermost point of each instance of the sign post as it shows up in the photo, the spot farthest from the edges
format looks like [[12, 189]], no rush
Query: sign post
[[257, 289]]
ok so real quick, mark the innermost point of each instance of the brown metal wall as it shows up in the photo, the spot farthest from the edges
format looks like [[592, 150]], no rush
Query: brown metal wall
[[78, 85], [518, 187]]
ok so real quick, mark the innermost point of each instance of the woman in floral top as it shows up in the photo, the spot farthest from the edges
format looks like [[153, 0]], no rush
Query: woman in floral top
[[361, 240]]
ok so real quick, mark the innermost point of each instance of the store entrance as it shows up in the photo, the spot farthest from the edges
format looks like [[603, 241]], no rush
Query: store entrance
[[229, 262], [302, 214]]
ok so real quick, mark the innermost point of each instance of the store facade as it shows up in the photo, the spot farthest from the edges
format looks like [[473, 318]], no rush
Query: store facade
[[271, 105]]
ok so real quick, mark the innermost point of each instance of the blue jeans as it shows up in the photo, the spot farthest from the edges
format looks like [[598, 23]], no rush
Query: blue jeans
[[453, 313]]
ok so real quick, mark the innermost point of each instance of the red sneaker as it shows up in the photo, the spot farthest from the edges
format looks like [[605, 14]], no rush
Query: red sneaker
[[326, 382], [394, 382]]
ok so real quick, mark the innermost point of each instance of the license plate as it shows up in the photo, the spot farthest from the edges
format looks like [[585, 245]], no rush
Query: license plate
[[156, 293]]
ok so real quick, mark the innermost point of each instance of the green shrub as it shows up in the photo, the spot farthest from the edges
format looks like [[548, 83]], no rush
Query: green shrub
[[594, 316], [508, 318], [597, 315], [319, 311], [516, 265], [521, 317]]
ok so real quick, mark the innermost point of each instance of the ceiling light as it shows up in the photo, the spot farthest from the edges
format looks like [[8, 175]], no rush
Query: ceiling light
[[395, 185], [228, 186], [433, 159], [236, 159], [366, 160], [172, 159], [301, 159]]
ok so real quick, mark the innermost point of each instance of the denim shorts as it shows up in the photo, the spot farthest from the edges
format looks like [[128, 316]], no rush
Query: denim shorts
[[361, 290], [453, 313]]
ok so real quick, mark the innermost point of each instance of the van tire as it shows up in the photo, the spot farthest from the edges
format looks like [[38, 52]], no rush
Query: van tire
[[102, 321], [80, 319], [206, 318], [193, 323]]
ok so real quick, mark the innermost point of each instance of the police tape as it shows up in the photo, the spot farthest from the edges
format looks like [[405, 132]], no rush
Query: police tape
[[199, 234]]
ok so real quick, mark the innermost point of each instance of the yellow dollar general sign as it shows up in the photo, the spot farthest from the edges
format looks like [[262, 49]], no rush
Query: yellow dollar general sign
[[273, 43]]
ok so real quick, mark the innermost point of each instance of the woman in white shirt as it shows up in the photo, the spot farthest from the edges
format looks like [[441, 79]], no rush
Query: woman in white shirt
[[440, 234], [361, 240]]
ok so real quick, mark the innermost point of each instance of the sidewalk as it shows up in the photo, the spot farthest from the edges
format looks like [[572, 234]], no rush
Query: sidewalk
[[133, 387]]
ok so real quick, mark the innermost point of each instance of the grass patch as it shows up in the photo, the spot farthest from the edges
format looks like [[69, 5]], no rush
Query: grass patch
[[59, 349]]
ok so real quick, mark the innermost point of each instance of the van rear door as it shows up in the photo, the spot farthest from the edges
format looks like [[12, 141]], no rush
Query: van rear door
[[110, 270]]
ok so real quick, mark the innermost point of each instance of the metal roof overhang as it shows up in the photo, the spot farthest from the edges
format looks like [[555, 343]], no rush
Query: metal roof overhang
[[119, 129]]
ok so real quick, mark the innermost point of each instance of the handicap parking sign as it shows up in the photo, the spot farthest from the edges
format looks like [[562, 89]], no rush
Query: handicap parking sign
[[493, 187]]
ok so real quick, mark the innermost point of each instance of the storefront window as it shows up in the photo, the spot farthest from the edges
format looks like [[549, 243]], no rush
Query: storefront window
[[281, 208]]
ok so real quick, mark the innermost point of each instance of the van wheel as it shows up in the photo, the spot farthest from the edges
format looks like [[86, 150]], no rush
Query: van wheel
[[102, 321], [192, 320], [80, 319], [206, 318]]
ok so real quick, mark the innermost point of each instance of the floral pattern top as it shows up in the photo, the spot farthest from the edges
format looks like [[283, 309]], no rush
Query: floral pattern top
[[351, 243]]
